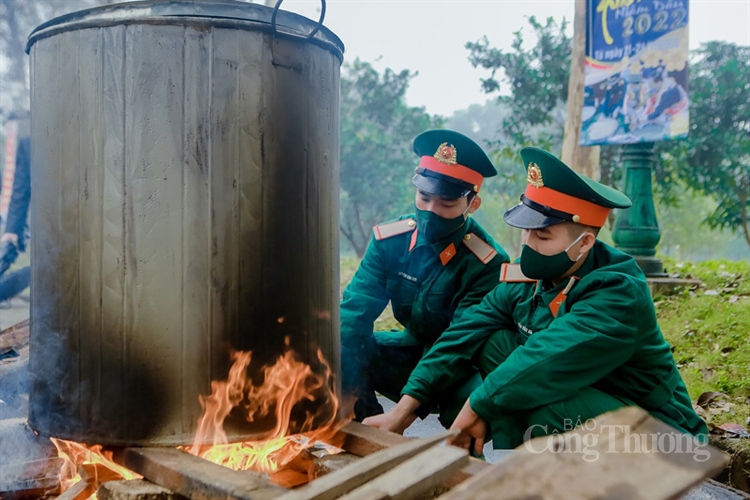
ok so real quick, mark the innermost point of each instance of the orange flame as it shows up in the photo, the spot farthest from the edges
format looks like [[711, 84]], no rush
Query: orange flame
[[77, 456], [287, 385]]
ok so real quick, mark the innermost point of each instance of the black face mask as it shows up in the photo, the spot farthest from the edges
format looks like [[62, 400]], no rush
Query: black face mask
[[435, 228], [547, 267]]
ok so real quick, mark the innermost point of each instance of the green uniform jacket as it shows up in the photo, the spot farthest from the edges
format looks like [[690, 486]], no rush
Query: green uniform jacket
[[605, 336], [425, 294]]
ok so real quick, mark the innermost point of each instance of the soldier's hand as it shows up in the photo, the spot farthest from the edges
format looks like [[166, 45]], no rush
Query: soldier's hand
[[8, 252], [398, 419], [473, 430], [390, 422], [12, 237]]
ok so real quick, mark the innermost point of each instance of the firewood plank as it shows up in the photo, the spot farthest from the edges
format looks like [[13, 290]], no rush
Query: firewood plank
[[14, 337], [79, 491], [363, 440], [413, 477], [195, 477], [134, 489], [339, 482], [617, 466], [98, 474]]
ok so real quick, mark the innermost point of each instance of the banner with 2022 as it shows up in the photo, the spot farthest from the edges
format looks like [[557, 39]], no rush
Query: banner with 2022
[[636, 72]]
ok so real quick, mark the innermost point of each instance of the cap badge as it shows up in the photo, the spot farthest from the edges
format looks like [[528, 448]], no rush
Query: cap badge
[[446, 154], [534, 176]]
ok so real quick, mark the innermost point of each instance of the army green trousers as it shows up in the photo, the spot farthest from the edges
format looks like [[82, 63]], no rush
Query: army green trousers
[[509, 431], [384, 364]]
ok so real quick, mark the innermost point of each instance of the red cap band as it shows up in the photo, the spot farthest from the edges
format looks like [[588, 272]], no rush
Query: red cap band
[[456, 171], [590, 214]]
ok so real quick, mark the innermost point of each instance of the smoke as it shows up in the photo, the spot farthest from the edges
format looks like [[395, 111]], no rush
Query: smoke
[[25, 458]]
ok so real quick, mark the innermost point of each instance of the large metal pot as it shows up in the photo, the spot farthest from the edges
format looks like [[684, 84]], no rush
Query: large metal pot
[[184, 203]]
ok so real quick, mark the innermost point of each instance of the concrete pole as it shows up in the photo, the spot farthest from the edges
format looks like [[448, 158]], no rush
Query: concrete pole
[[636, 229], [584, 160]]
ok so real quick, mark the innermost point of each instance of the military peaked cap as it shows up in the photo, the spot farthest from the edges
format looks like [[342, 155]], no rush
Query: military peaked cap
[[451, 164], [555, 194]]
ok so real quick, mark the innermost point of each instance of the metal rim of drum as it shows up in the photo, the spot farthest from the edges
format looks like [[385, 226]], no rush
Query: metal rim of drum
[[214, 13]]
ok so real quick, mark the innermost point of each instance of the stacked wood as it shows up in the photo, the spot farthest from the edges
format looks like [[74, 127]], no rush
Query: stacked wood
[[195, 477], [33, 479], [403, 459], [550, 467], [598, 461]]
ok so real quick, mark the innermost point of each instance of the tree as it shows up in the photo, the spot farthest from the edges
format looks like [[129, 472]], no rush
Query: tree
[[18, 18], [537, 79], [377, 162], [715, 157]]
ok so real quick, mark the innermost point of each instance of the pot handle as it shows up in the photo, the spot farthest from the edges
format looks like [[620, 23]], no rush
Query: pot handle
[[317, 26]]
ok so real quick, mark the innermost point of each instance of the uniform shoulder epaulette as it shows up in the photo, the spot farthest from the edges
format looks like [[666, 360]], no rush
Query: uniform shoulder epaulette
[[511, 273], [383, 231], [481, 249]]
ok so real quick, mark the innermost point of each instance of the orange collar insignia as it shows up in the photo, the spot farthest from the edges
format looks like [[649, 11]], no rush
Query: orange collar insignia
[[447, 254]]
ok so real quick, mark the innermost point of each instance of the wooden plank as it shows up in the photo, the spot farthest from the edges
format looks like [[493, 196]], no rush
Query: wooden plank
[[614, 457], [363, 440], [417, 475], [341, 481], [32, 479], [98, 474], [195, 477], [79, 491], [14, 337], [134, 489], [34, 469]]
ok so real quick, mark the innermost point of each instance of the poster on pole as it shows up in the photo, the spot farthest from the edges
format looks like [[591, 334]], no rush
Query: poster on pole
[[636, 76]]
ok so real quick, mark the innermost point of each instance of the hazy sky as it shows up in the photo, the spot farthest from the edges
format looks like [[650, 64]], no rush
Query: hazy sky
[[429, 36]]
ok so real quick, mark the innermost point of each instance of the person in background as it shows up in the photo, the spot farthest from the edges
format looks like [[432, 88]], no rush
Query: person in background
[[431, 266], [13, 239], [569, 334]]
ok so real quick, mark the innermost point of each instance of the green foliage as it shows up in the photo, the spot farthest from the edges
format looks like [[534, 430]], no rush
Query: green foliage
[[490, 216], [377, 129], [715, 158], [537, 78], [685, 235], [17, 19]]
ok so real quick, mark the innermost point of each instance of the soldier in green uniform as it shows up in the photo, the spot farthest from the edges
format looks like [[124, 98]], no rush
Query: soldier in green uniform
[[431, 266], [569, 334]]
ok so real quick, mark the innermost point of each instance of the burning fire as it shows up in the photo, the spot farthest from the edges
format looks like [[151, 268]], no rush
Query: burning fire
[[287, 385], [90, 464]]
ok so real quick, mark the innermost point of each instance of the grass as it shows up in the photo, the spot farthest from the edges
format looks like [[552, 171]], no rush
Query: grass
[[386, 321], [708, 327]]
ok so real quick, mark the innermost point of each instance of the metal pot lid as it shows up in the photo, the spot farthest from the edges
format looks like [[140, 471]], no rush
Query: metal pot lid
[[218, 13]]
